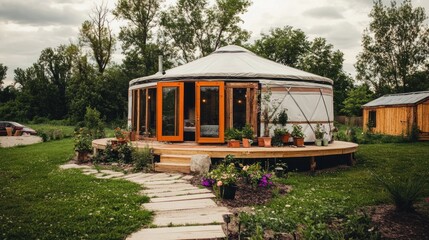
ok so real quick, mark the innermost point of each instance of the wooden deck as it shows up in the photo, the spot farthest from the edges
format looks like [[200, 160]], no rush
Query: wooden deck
[[221, 151]]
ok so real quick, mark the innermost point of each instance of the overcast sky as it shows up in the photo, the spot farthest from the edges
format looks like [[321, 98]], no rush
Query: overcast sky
[[29, 26]]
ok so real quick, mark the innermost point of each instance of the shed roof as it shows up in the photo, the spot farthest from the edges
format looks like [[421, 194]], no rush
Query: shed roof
[[233, 62], [399, 99]]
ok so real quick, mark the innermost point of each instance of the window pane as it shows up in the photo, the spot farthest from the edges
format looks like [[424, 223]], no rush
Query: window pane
[[142, 111], [239, 107], [209, 108], [170, 111], [152, 112]]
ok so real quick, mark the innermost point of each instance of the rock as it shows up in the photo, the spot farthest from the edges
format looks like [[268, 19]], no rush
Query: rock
[[200, 163]]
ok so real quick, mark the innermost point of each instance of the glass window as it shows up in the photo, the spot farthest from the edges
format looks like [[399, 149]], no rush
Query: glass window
[[170, 111], [372, 120], [239, 107], [209, 104]]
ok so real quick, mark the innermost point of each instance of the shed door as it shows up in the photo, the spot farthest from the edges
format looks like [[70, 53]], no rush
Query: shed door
[[170, 111], [209, 112]]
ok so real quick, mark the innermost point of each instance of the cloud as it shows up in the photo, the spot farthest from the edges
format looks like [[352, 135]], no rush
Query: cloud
[[38, 13], [342, 35], [326, 12]]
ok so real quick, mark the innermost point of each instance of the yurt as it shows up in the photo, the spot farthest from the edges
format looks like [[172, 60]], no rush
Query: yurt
[[199, 100]]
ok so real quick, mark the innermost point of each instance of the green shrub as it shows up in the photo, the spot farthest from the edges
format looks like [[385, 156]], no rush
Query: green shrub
[[94, 123], [403, 192], [142, 158], [43, 135]]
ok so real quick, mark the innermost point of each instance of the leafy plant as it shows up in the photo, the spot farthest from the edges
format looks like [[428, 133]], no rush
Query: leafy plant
[[82, 141], [233, 134], [93, 123], [247, 131], [282, 117], [225, 175], [403, 192], [142, 158], [118, 133], [297, 131], [319, 132], [278, 135]]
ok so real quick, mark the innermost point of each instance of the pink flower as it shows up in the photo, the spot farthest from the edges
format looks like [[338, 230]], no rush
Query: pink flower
[[427, 199], [219, 183]]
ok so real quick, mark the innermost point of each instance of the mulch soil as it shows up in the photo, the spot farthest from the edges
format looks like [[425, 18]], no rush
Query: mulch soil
[[401, 225], [246, 195]]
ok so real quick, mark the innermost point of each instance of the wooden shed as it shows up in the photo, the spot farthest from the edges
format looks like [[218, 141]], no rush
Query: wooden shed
[[395, 114]]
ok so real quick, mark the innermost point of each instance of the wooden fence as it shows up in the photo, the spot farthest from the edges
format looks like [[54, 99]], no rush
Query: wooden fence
[[350, 121]]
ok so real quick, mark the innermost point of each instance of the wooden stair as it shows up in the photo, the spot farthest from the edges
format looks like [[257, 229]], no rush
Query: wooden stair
[[174, 163]]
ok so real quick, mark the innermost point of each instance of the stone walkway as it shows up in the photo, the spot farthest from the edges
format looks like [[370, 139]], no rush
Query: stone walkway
[[176, 204]]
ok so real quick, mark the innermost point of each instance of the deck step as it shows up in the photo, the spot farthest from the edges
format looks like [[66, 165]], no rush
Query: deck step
[[170, 158], [173, 167]]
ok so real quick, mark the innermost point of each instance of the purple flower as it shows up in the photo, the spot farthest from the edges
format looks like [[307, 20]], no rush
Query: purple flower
[[207, 182], [264, 181]]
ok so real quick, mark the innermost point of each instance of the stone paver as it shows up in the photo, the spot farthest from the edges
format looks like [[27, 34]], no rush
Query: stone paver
[[192, 232], [174, 201]]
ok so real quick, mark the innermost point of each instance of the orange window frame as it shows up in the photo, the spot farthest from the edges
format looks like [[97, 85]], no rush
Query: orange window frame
[[180, 119], [221, 138]]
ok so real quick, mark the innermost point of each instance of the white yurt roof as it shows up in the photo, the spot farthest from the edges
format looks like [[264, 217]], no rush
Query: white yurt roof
[[233, 62]]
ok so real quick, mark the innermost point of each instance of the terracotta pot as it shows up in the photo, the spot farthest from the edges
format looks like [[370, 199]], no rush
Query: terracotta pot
[[246, 143], [18, 133], [299, 142], [9, 131], [267, 141], [126, 135], [234, 143], [260, 141], [285, 138], [133, 136], [227, 192]]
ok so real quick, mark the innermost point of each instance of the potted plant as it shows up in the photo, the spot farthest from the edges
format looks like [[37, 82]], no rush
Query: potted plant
[[226, 176], [282, 119], [268, 115], [233, 137], [325, 142], [319, 133], [248, 135], [82, 145], [277, 140], [298, 135]]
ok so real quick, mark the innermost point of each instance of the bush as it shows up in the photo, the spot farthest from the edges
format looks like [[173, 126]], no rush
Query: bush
[[50, 134], [94, 123], [403, 192], [142, 158], [120, 153]]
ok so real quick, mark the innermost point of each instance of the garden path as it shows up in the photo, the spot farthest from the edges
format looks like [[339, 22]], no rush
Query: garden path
[[175, 202]]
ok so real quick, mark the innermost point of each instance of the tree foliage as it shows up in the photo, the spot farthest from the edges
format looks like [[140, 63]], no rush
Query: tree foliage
[[283, 45], [137, 36], [291, 47], [194, 28], [357, 97], [97, 35], [3, 72], [395, 49]]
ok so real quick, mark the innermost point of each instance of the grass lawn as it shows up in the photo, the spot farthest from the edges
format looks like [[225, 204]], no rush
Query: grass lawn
[[67, 131], [39, 201], [318, 200]]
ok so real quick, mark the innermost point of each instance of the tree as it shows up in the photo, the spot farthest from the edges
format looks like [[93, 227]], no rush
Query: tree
[[395, 48], [137, 40], [193, 28], [357, 97], [291, 47], [3, 72], [283, 45], [321, 59], [97, 35]]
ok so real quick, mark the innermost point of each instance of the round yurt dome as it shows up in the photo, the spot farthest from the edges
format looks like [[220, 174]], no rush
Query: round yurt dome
[[307, 98]]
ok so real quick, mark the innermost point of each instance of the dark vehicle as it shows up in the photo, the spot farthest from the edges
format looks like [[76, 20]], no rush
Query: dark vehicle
[[15, 126]]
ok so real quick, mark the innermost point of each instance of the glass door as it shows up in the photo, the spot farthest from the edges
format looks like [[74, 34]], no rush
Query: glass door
[[209, 112], [170, 111]]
